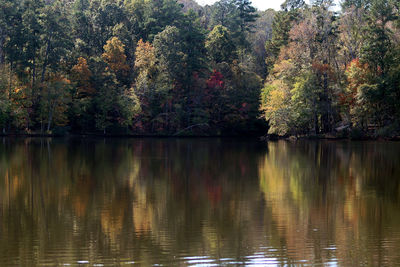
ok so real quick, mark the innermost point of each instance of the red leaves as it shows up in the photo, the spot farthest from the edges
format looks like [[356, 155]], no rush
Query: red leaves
[[357, 74], [322, 69], [216, 81]]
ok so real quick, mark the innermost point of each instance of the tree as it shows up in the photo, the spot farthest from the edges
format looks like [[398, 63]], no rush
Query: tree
[[82, 75], [83, 28], [262, 32], [247, 16], [224, 13], [356, 3], [55, 39], [219, 45], [158, 15], [377, 42], [275, 109], [181, 51], [32, 30], [375, 53], [114, 56], [55, 102], [82, 95], [281, 26], [289, 5], [151, 93], [352, 25], [215, 98], [355, 99], [114, 104], [168, 47], [105, 16], [307, 72], [243, 89]]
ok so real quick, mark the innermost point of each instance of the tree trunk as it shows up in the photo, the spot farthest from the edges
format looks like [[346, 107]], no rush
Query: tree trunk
[[33, 75], [9, 86], [51, 112], [326, 118], [46, 59], [2, 60]]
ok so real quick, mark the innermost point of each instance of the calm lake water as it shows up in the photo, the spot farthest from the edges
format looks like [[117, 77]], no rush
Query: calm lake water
[[200, 202]]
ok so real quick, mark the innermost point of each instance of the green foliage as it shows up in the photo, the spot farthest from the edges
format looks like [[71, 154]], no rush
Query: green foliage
[[389, 131], [170, 52], [224, 13], [292, 4], [219, 45], [158, 15], [280, 36], [169, 67], [356, 3], [304, 97], [319, 85]]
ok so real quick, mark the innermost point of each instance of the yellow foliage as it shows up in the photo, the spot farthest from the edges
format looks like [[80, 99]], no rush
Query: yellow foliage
[[277, 100], [114, 55], [145, 57], [19, 89], [274, 102], [283, 69]]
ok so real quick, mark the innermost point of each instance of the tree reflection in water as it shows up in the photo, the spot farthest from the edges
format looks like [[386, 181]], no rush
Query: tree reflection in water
[[188, 201]]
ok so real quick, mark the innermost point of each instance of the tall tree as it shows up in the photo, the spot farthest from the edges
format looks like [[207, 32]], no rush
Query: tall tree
[[220, 45], [289, 5], [224, 13], [247, 16], [281, 26]]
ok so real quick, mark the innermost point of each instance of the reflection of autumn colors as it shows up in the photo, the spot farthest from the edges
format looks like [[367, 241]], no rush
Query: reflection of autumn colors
[[334, 202], [178, 201], [125, 200]]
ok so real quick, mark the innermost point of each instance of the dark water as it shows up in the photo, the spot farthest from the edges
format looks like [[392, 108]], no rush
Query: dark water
[[200, 202]]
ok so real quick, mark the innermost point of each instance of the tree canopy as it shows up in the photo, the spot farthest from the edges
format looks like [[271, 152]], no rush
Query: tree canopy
[[168, 67]]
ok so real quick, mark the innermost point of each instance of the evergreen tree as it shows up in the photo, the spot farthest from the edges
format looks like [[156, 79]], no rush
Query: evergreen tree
[[220, 45]]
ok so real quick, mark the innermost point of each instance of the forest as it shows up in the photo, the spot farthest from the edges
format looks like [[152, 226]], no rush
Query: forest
[[171, 68]]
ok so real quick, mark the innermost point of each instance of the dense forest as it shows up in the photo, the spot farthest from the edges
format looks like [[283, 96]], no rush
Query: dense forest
[[334, 72], [167, 67]]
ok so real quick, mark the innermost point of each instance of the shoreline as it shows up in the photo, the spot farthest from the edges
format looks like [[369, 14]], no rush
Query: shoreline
[[266, 138], [127, 136], [329, 138]]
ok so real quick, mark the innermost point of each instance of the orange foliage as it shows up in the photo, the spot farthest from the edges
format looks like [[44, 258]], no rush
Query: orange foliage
[[82, 74], [144, 54], [114, 55], [82, 69], [323, 69], [58, 78], [356, 76]]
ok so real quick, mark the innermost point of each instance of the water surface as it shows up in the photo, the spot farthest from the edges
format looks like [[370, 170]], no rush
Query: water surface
[[200, 202]]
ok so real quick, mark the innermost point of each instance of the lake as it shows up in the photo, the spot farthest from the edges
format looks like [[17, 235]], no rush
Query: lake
[[198, 202]]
